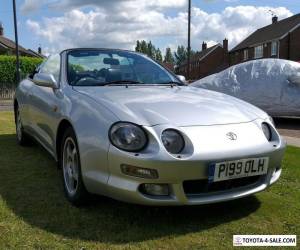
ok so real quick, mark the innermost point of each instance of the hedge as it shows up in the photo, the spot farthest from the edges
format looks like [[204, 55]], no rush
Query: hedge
[[8, 68]]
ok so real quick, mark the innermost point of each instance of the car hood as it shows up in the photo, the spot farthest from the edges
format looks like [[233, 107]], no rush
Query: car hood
[[178, 105]]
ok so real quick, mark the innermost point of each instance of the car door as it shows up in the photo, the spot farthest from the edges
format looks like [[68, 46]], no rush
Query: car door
[[45, 105], [26, 88]]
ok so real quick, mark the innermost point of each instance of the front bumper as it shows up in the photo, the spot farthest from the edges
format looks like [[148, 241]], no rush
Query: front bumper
[[126, 188], [175, 171]]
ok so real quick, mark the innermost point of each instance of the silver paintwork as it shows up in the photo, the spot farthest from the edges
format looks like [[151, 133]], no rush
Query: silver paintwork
[[181, 78], [204, 118], [45, 80]]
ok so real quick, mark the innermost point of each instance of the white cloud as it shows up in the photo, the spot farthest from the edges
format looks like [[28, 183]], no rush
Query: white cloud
[[31, 5], [129, 22]]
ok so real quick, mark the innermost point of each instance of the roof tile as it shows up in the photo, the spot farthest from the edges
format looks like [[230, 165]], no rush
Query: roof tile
[[270, 32]]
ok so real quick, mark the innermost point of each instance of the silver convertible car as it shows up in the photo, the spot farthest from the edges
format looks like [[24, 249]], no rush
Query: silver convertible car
[[121, 125]]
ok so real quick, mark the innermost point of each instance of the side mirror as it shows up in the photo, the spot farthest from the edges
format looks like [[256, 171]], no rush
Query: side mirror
[[181, 78], [45, 80]]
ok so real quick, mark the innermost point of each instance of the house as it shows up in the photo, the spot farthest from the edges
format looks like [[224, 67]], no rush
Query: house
[[281, 39], [169, 66], [207, 61], [8, 47]]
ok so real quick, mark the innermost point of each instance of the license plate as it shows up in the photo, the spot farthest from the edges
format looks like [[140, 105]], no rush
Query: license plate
[[238, 169]]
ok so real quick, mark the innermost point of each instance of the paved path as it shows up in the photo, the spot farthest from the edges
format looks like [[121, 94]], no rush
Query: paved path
[[292, 141], [6, 108], [6, 105], [289, 128]]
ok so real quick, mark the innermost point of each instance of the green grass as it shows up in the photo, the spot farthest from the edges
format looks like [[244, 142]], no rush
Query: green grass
[[35, 215]]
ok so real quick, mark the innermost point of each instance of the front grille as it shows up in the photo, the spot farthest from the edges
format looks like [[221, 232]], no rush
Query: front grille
[[198, 187]]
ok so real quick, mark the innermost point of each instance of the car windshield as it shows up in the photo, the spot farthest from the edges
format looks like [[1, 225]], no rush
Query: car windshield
[[110, 67]]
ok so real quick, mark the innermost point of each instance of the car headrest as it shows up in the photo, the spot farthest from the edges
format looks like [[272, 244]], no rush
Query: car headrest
[[113, 75]]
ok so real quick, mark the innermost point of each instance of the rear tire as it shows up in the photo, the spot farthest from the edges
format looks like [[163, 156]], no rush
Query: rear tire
[[74, 188], [22, 138]]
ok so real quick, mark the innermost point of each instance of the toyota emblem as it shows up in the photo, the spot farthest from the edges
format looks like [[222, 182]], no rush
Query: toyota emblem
[[231, 136]]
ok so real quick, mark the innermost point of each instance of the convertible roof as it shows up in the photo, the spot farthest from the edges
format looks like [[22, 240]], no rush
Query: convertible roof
[[72, 49]]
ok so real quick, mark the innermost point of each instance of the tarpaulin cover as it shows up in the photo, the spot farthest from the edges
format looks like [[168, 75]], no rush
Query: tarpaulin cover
[[271, 84]]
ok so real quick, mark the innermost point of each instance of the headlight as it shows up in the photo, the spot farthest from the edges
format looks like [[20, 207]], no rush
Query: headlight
[[128, 136], [173, 141], [267, 130]]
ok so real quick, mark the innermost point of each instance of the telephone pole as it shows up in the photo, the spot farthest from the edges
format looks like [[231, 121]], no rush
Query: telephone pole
[[17, 43], [189, 42]]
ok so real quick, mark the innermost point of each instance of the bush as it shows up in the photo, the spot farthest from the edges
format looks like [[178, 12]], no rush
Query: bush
[[8, 68]]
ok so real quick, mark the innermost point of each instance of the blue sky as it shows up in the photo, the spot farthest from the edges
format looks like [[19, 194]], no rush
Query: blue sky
[[57, 26]]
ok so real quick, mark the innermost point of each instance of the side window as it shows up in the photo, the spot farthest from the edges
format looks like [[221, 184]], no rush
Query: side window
[[52, 66]]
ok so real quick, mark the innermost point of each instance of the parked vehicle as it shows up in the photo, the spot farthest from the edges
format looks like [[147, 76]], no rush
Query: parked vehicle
[[121, 125], [270, 84]]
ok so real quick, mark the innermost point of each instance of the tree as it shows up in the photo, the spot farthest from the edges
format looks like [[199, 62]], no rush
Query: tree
[[158, 55], [169, 57], [151, 50], [144, 47], [180, 55], [138, 46]]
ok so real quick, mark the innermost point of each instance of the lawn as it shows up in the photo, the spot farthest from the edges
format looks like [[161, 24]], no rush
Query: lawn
[[35, 214]]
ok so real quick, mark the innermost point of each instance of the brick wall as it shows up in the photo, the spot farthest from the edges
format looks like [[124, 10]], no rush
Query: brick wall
[[214, 62], [237, 57], [294, 52], [289, 49], [284, 48]]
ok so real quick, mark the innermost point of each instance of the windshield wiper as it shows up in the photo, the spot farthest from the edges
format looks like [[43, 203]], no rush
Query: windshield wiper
[[122, 82], [127, 82], [170, 82]]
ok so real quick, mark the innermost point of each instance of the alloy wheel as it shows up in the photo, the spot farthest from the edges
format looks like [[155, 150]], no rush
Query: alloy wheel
[[70, 166]]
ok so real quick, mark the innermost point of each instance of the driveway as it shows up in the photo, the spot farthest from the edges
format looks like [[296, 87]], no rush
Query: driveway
[[289, 128], [6, 105]]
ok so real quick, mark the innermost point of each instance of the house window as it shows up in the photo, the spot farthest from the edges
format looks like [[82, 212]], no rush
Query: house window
[[274, 48], [245, 54], [258, 51]]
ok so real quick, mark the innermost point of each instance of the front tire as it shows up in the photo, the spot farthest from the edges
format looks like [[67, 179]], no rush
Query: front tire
[[71, 170], [22, 138]]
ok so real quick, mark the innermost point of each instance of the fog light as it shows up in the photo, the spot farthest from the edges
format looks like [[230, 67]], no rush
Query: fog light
[[139, 172], [155, 189], [275, 171]]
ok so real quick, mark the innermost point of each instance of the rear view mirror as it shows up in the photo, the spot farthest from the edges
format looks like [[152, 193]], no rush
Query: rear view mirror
[[45, 80], [111, 61], [295, 79]]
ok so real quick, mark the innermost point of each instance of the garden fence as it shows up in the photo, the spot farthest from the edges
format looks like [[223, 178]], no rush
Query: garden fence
[[7, 91]]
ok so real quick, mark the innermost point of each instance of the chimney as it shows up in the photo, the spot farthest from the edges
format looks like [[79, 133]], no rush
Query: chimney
[[40, 50], [225, 45], [274, 19], [1, 29], [204, 46]]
